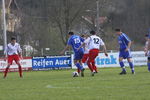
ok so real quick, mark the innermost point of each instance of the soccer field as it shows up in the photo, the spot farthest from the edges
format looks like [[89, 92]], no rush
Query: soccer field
[[60, 85]]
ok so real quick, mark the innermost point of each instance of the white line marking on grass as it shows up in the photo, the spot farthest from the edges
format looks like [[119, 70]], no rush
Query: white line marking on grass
[[50, 86]]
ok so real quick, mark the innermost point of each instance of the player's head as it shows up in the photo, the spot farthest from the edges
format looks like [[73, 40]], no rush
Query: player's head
[[82, 35], [13, 40], [92, 32], [71, 33], [118, 31], [146, 37]]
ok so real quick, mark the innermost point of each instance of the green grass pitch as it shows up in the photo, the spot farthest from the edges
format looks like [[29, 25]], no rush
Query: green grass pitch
[[60, 85]]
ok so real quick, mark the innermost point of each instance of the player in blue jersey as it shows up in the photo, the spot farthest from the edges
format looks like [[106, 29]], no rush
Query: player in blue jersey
[[124, 51], [75, 42], [147, 52]]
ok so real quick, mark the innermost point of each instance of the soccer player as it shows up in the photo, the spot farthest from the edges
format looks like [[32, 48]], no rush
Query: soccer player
[[13, 51], [146, 44], [86, 50], [124, 52], [75, 41], [94, 43], [147, 52]]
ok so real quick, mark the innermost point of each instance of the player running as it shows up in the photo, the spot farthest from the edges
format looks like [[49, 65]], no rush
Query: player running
[[147, 52], [14, 53], [94, 44], [75, 41], [86, 51], [124, 52]]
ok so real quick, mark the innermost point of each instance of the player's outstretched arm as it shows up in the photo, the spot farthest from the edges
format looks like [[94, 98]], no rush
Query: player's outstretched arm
[[20, 55], [63, 51], [129, 45], [105, 50], [86, 41], [19, 50], [5, 57]]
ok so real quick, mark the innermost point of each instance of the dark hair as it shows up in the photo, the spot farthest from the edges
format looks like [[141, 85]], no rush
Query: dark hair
[[92, 32], [13, 38], [146, 35], [118, 30], [82, 35], [71, 33]]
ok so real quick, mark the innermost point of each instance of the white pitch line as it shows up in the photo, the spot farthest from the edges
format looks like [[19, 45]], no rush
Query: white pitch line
[[50, 86]]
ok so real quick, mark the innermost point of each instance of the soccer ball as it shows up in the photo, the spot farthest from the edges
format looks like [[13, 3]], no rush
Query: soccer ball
[[75, 74]]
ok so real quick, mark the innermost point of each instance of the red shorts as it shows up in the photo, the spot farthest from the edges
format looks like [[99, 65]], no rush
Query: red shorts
[[85, 58], [16, 58], [93, 54]]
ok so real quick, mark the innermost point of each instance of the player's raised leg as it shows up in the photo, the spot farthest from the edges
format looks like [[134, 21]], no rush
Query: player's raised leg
[[85, 58]]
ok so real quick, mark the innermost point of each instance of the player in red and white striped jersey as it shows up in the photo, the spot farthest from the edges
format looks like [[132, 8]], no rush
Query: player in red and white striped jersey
[[13, 51]]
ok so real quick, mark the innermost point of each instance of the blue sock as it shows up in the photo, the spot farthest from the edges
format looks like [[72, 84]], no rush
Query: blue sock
[[79, 66], [148, 66], [131, 66], [122, 66]]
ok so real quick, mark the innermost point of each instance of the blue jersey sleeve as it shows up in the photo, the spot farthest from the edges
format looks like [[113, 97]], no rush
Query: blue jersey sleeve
[[82, 39], [126, 38]]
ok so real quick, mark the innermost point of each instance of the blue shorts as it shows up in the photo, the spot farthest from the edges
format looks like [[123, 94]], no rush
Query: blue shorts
[[125, 54], [78, 55]]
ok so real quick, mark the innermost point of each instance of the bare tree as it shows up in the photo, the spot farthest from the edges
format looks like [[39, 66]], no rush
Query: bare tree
[[65, 12]]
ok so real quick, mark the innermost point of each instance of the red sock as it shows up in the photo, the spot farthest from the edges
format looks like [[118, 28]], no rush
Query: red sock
[[5, 72], [20, 71], [78, 70], [94, 67], [89, 65]]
